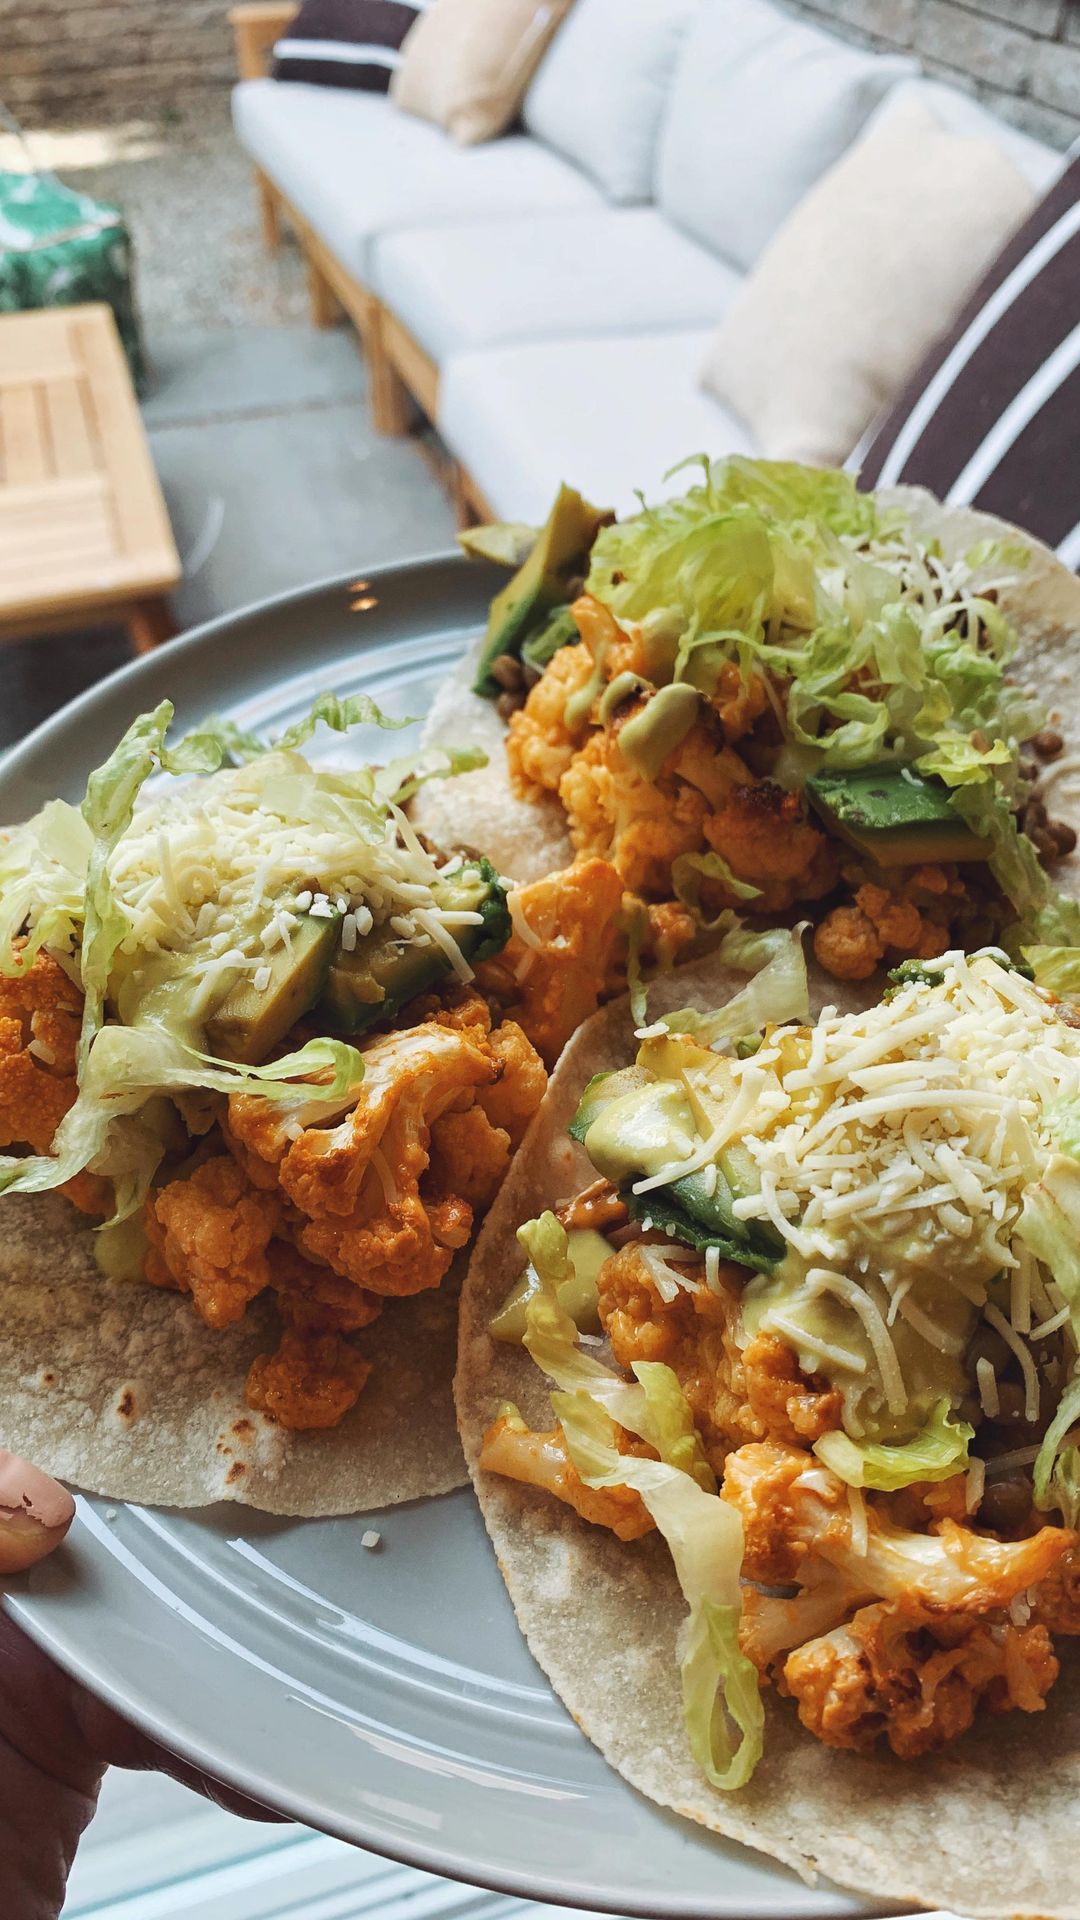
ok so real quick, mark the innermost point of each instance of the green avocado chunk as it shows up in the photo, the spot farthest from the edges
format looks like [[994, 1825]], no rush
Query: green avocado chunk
[[248, 1025], [895, 816], [523, 608], [383, 971], [631, 1124]]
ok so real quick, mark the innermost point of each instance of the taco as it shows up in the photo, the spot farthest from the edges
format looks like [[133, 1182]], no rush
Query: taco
[[252, 1102], [776, 695], [769, 1381]]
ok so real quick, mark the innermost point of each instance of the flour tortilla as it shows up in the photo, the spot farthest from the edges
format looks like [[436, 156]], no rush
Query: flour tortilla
[[986, 1828], [528, 838], [120, 1389], [525, 839]]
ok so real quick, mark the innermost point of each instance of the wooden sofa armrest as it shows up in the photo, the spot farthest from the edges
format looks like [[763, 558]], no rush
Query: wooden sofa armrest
[[256, 25]]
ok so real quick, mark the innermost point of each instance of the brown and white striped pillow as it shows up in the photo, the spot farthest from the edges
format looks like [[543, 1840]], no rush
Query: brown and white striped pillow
[[345, 43], [992, 417]]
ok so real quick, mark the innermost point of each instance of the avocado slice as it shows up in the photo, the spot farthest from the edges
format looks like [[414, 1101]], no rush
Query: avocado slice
[[897, 817], [522, 609], [383, 971], [248, 1025], [635, 1113]]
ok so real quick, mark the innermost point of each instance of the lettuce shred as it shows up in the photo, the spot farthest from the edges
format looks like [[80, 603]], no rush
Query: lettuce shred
[[937, 1453], [703, 1532]]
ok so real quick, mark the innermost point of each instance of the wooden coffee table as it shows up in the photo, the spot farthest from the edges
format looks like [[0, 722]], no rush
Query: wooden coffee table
[[84, 535]]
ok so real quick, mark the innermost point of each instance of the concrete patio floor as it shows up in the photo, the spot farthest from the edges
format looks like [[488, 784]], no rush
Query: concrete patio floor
[[258, 422]]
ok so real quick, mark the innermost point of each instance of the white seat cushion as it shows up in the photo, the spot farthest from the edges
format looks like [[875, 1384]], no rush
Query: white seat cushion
[[760, 106], [355, 167], [608, 415], [598, 94], [547, 277]]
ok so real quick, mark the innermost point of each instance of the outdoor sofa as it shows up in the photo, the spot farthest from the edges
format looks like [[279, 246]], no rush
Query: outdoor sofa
[[547, 298]]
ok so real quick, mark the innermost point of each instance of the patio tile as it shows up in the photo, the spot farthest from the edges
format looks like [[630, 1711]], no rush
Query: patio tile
[[201, 373], [265, 502]]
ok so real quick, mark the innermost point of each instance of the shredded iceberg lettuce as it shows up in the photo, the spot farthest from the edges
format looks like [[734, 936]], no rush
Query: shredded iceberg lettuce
[[1056, 1475], [703, 1532], [112, 1125], [704, 1537], [777, 993], [937, 1453]]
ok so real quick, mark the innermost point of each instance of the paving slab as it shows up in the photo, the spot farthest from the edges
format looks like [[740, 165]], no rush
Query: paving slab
[[205, 373]]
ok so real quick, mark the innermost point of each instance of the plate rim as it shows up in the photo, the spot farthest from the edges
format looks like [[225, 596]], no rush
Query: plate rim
[[836, 1904]]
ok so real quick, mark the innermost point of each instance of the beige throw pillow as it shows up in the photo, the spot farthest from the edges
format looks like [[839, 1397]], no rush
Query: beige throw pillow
[[860, 280], [467, 63]]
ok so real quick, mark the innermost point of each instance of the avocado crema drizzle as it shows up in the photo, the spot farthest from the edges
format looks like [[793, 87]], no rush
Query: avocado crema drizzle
[[899, 1186], [251, 900]]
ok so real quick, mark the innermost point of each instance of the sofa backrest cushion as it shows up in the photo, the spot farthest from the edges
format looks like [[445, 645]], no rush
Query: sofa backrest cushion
[[988, 419], [759, 107], [876, 261], [345, 43], [467, 63], [598, 95], [961, 113]]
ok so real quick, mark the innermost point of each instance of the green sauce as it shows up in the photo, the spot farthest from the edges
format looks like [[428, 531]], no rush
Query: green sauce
[[642, 1131], [576, 710], [623, 687], [650, 736]]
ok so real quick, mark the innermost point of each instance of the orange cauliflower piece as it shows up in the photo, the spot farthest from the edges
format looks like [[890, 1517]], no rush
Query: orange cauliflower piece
[[640, 825], [354, 1188], [915, 1677], [854, 940], [734, 1395], [40, 1017], [539, 744], [541, 1460], [576, 916], [764, 836], [309, 1382], [795, 1513], [209, 1236]]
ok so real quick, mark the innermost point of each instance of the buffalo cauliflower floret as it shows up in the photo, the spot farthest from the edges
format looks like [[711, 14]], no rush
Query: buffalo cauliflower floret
[[539, 744], [576, 916], [40, 1016], [915, 1677], [541, 1460], [795, 1511], [734, 1394], [352, 1179], [209, 1236], [309, 1382], [740, 699], [763, 834], [910, 923], [640, 825]]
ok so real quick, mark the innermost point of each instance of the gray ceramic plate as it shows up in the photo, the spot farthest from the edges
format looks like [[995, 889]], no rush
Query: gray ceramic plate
[[384, 1696]]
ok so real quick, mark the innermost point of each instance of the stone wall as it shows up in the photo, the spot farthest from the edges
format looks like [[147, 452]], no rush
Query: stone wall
[[1021, 56], [77, 58]]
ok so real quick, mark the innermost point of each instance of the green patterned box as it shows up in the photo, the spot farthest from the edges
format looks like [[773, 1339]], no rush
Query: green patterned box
[[58, 249]]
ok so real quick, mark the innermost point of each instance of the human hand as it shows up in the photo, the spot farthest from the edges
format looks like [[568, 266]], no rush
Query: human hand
[[56, 1739]]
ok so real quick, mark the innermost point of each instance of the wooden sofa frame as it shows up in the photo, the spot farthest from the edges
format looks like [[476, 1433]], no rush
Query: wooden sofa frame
[[401, 375]]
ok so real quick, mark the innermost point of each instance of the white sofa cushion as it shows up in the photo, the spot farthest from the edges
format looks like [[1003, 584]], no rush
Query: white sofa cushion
[[355, 167], [547, 276], [599, 92], [759, 107], [883, 251], [608, 415]]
